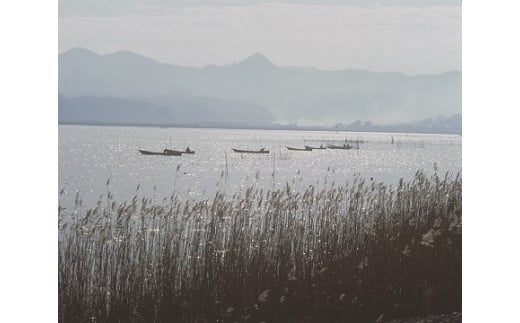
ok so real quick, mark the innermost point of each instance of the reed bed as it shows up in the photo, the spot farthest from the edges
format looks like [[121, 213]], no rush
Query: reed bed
[[358, 252]]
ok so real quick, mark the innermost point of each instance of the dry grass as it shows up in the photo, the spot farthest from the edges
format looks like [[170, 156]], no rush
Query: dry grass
[[347, 253]]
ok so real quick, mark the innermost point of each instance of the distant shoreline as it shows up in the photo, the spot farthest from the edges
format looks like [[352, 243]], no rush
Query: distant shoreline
[[274, 127]]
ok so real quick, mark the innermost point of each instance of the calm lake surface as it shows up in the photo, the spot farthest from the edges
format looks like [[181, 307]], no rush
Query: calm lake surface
[[91, 156]]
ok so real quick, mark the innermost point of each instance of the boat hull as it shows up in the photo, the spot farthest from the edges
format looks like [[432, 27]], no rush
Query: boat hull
[[179, 152], [299, 149], [347, 147], [251, 151], [164, 153]]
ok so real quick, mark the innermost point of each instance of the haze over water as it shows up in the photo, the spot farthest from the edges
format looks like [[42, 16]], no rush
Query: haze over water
[[90, 155]]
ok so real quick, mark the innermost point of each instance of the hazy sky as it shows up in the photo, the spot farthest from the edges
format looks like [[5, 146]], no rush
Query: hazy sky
[[390, 35]]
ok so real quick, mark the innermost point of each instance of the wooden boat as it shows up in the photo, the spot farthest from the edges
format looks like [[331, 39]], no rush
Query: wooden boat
[[345, 146], [173, 152], [300, 149], [188, 151], [312, 148], [166, 152], [261, 151]]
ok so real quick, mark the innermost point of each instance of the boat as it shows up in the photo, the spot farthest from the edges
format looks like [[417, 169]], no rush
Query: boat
[[187, 151], [166, 152], [300, 149], [312, 148], [345, 146], [173, 152], [261, 151]]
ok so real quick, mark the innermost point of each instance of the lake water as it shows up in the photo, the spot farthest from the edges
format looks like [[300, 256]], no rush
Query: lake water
[[91, 156]]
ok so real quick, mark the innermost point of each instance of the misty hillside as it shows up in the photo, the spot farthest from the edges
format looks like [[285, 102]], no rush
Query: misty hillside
[[442, 124], [290, 94], [179, 111]]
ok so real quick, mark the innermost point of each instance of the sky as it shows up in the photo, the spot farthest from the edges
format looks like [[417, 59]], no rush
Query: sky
[[412, 37]]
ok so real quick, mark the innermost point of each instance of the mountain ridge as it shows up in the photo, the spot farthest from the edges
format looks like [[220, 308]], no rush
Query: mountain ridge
[[181, 111], [255, 54], [290, 94], [90, 110]]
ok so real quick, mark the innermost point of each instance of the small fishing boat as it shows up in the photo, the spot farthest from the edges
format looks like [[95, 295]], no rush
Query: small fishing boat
[[166, 152], [187, 151], [312, 148], [173, 152], [300, 149], [261, 151], [345, 146]]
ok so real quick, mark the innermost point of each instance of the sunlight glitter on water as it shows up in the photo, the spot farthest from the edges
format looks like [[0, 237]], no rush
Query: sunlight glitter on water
[[89, 155]]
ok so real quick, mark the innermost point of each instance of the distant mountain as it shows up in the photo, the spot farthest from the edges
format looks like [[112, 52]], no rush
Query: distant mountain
[[182, 111], [197, 112], [290, 94], [256, 63]]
